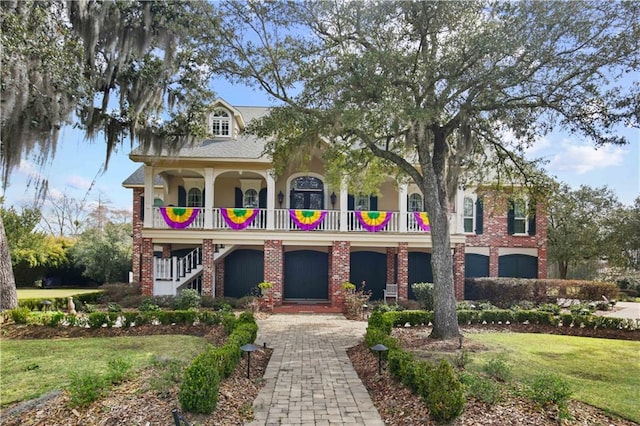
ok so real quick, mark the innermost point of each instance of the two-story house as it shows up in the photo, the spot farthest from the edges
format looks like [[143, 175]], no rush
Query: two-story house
[[215, 218]]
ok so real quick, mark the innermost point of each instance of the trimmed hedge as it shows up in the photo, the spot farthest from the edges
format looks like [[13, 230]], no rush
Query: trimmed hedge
[[505, 292], [199, 389]]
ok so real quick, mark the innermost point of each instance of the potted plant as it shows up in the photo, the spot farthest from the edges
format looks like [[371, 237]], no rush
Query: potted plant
[[265, 287]]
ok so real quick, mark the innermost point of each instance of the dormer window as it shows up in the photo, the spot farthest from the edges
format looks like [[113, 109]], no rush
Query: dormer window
[[221, 123]]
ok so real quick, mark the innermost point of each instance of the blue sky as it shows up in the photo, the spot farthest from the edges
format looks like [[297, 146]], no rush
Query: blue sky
[[76, 167]]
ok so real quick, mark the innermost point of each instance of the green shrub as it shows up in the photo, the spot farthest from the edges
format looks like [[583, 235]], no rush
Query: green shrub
[[550, 307], [199, 389], [481, 388], [20, 315], [494, 316], [55, 319], [550, 389], [186, 299], [209, 318], [468, 317], [114, 307], [567, 319], [148, 305], [97, 319], [118, 370], [383, 322], [228, 322], [397, 362], [498, 369], [414, 318], [445, 395], [375, 336], [129, 318], [424, 295], [85, 388]]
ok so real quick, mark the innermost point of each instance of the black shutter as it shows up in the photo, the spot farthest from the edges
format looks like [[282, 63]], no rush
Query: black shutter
[[532, 220], [262, 198], [373, 203], [511, 215], [142, 207], [479, 216], [351, 202], [182, 197], [239, 198], [202, 200]]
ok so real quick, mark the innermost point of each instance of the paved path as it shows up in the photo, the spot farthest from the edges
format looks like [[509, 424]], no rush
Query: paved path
[[309, 379], [625, 310]]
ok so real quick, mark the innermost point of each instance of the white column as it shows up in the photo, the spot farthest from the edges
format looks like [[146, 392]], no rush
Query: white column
[[208, 198], [148, 196], [271, 200], [344, 205], [402, 204]]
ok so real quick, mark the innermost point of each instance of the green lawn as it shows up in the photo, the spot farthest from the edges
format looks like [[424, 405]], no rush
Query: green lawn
[[50, 293], [602, 372], [30, 368]]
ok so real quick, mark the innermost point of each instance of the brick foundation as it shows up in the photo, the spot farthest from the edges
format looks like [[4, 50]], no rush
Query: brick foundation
[[403, 271], [274, 268], [146, 266], [339, 268], [207, 267]]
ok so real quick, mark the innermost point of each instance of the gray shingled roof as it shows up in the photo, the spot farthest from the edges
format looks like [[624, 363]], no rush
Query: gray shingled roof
[[243, 147], [137, 179]]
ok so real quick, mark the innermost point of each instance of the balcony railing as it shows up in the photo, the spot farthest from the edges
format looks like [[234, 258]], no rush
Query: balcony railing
[[282, 221]]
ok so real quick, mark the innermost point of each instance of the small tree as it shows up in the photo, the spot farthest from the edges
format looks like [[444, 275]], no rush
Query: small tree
[[106, 255]]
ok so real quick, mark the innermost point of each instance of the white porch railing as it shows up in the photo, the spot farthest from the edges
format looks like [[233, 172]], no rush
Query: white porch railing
[[282, 222], [173, 272]]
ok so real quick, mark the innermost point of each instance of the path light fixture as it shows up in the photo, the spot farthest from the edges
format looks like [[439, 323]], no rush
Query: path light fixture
[[380, 348], [248, 348], [333, 200], [280, 198]]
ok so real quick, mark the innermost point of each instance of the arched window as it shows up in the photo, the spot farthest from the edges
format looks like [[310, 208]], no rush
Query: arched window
[[467, 213], [415, 203], [250, 198], [221, 123], [194, 198], [362, 202]]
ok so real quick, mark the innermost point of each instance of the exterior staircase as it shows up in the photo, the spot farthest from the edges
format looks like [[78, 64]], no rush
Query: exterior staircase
[[178, 273]]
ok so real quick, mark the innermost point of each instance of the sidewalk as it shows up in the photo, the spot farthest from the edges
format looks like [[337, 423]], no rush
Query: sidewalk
[[625, 310], [309, 379]]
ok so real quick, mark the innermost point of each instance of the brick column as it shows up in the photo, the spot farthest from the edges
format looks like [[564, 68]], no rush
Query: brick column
[[493, 261], [274, 268], [137, 234], [458, 271], [219, 283], [339, 267], [403, 271], [207, 267], [391, 264], [166, 251], [146, 266]]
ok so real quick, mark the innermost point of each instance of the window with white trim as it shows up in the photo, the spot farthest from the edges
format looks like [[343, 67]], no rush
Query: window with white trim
[[194, 198], [467, 214], [361, 202], [415, 203], [519, 217], [250, 199], [221, 123]]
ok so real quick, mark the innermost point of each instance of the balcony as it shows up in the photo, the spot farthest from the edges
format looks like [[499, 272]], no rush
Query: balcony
[[225, 219]]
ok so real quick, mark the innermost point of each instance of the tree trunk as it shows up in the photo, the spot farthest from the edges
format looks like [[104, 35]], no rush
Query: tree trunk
[[8, 295], [563, 267], [445, 318]]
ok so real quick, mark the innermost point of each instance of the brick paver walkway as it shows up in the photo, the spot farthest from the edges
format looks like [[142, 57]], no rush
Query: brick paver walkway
[[309, 379]]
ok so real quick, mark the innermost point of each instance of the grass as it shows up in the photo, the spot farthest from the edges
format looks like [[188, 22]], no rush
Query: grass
[[50, 293], [604, 373], [30, 368]]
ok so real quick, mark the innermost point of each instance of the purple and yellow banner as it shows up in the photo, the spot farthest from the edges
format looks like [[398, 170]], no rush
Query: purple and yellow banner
[[423, 221], [239, 218], [179, 217], [307, 219], [373, 221]]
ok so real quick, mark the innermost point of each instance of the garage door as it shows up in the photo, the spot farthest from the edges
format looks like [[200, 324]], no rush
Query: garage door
[[370, 267], [243, 270], [306, 275], [419, 270], [518, 266], [476, 265]]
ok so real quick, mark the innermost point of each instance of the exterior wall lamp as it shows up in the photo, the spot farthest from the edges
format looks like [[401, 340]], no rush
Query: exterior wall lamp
[[280, 198], [333, 200]]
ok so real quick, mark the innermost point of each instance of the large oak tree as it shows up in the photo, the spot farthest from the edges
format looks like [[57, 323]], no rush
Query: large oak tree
[[133, 70], [430, 89]]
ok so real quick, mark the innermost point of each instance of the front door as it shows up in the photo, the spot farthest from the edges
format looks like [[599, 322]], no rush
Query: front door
[[307, 193]]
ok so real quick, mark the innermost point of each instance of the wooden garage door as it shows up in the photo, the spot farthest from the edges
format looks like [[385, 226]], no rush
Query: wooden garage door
[[370, 267], [243, 270], [306, 275], [476, 265], [518, 266], [419, 270]]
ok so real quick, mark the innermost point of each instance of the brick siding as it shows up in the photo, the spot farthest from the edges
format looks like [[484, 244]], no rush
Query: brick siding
[[403, 271], [137, 234], [207, 267], [339, 267], [147, 266], [274, 268]]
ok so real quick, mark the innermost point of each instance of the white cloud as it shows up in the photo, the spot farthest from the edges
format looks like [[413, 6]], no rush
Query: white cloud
[[78, 182], [30, 170], [581, 159]]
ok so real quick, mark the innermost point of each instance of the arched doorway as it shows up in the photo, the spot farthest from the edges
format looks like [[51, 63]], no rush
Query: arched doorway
[[307, 192]]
